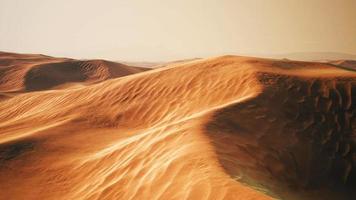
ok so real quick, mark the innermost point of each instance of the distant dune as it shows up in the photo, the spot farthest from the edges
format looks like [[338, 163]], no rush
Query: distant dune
[[317, 56], [157, 64], [347, 64], [220, 128], [31, 72]]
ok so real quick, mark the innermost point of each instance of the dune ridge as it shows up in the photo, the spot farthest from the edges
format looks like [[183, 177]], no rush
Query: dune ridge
[[221, 128]]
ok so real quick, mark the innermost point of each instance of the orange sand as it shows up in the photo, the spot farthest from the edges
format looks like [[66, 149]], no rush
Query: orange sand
[[221, 128]]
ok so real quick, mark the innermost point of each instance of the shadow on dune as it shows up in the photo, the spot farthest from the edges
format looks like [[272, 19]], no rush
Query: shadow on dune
[[296, 140], [46, 76], [11, 150]]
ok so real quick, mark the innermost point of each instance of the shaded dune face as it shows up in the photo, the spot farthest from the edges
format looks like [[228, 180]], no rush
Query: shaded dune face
[[296, 139], [221, 128], [49, 75]]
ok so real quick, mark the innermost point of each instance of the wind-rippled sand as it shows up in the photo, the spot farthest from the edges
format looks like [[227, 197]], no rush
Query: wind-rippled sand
[[220, 128]]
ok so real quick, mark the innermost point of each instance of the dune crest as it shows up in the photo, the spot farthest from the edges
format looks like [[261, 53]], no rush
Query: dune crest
[[220, 128]]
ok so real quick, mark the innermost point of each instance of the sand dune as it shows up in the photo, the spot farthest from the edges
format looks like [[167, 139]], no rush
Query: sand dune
[[31, 72], [157, 64], [314, 56], [220, 128], [347, 64]]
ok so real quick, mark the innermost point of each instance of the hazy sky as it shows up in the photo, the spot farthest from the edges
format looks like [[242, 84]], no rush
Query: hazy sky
[[159, 30]]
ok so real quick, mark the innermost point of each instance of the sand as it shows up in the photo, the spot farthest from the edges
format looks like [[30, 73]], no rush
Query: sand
[[220, 128], [34, 72]]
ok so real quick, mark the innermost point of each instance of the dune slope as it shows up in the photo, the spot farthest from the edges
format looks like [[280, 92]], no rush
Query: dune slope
[[221, 128]]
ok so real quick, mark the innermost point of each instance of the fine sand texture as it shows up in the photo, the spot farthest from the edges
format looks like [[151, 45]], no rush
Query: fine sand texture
[[229, 127]]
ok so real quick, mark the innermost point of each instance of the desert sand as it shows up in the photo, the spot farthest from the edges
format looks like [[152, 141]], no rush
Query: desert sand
[[227, 127], [33, 72]]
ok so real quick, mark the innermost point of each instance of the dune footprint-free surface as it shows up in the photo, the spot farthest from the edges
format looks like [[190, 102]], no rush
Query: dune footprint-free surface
[[221, 128]]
